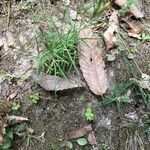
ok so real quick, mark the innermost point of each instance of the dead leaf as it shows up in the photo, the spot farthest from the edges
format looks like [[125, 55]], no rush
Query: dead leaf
[[92, 139], [54, 83], [109, 34], [92, 64], [98, 27], [79, 132], [134, 8], [133, 30], [17, 118], [12, 96]]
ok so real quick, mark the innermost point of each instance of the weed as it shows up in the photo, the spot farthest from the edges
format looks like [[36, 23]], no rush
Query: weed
[[23, 77], [15, 106], [12, 130], [104, 146], [34, 97], [100, 6], [82, 98], [89, 114], [60, 55], [144, 37], [118, 95], [133, 69], [53, 147]]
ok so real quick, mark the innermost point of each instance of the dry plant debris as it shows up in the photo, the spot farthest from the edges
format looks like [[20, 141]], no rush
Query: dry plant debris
[[55, 83], [92, 64], [17, 118], [109, 34], [92, 139], [133, 31], [79, 132]]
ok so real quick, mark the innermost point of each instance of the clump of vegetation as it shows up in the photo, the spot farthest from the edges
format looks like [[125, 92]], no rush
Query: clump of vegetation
[[100, 6], [89, 114], [34, 97], [60, 54], [13, 129], [15, 106], [118, 95]]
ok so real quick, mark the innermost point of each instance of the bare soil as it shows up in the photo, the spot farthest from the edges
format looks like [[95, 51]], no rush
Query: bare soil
[[57, 114]]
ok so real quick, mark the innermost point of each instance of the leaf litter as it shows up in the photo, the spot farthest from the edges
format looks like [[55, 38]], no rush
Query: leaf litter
[[110, 33], [92, 64], [55, 83], [133, 30], [79, 132]]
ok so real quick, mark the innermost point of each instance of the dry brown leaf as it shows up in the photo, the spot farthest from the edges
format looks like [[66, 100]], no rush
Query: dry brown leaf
[[109, 34], [133, 31], [92, 64], [12, 96], [134, 8], [54, 83], [79, 132], [92, 139]]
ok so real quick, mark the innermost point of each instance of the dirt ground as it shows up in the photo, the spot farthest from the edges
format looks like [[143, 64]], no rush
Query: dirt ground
[[55, 115]]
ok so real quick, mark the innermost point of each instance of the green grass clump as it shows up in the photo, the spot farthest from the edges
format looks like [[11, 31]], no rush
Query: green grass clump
[[60, 54]]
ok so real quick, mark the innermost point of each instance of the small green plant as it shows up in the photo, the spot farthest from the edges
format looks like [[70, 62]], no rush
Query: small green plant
[[60, 55], [82, 141], [34, 97], [144, 37], [82, 98], [12, 130], [100, 6], [89, 114], [15, 106], [118, 95], [104, 146]]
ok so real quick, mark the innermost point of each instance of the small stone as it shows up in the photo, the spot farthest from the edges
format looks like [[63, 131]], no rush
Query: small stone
[[133, 116]]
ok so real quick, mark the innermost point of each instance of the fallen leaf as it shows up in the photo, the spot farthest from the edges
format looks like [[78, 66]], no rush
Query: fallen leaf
[[133, 30], [17, 118], [12, 96], [134, 8], [109, 34], [92, 139], [55, 83], [92, 64], [79, 132], [98, 27]]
